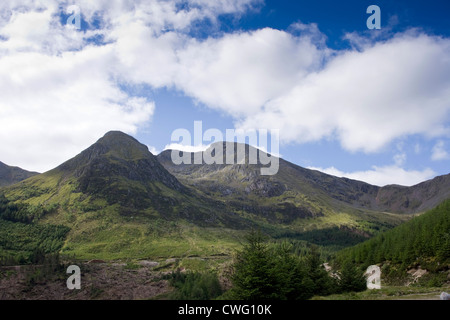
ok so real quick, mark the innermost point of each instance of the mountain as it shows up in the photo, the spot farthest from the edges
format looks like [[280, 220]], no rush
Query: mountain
[[244, 181], [296, 202], [120, 170], [418, 198], [11, 175], [117, 200], [117, 171]]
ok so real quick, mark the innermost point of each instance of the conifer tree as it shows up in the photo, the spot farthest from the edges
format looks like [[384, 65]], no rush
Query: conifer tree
[[253, 277], [351, 279], [323, 284]]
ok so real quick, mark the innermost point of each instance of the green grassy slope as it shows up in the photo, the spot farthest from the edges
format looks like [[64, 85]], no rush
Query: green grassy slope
[[295, 200], [118, 201]]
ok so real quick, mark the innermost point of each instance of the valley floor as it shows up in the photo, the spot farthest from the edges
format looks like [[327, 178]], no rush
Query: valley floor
[[142, 280]]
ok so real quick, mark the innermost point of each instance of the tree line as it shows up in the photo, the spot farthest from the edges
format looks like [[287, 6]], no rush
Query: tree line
[[422, 239], [264, 272], [22, 241]]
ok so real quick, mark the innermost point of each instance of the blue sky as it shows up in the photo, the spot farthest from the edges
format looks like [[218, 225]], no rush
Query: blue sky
[[372, 105], [334, 19]]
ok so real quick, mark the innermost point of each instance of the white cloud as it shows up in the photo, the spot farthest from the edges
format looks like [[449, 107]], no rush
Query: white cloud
[[439, 152], [400, 159], [51, 108], [367, 99], [186, 148], [153, 150], [203, 147], [264, 149], [382, 176], [56, 101], [275, 79], [59, 92], [239, 73]]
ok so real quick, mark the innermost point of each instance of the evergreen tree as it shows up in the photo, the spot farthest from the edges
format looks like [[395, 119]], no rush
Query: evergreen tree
[[443, 250], [351, 279], [323, 283], [254, 277], [293, 282], [262, 273]]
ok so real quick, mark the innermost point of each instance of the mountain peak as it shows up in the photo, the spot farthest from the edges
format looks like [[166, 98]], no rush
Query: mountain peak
[[116, 166], [11, 175], [121, 145], [117, 135]]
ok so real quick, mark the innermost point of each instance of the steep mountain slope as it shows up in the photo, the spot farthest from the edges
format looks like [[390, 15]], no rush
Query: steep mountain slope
[[296, 198], [11, 175], [277, 199], [245, 180], [118, 200], [117, 171], [419, 198], [120, 170]]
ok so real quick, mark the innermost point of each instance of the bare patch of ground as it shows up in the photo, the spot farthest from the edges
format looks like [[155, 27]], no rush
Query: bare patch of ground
[[416, 275], [98, 281]]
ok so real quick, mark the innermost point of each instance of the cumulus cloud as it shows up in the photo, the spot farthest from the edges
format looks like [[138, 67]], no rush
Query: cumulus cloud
[[153, 150], [439, 152], [382, 176], [386, 175], [53, 107], [239, 73], [364, 98], [400, 159], [186, 148], [61, 91], [368, 99]]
